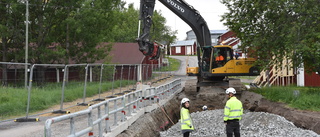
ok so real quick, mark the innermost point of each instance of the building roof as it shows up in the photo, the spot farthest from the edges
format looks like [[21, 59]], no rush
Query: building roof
[[183, 43], [214, 31], [126, 53], [218, 31]]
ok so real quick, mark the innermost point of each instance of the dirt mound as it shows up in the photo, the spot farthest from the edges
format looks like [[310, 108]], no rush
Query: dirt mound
[[301, 118]]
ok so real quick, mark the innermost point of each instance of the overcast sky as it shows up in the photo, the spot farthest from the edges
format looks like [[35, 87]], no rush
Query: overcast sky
[[210, 10]]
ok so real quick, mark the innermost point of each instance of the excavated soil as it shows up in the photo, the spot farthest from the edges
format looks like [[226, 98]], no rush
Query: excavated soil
[[151, 123], [301, 118]]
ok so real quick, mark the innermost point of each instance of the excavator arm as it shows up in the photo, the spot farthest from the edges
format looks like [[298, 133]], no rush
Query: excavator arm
[[183, 10], [147, 47]]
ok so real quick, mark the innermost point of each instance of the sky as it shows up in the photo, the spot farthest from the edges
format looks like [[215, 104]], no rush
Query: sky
[[210, 10]]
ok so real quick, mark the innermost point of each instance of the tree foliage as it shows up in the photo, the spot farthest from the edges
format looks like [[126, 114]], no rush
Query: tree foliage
[[159, 31], [12, 30], [60, 31], [126, 30], [162, 33], [277, 29]]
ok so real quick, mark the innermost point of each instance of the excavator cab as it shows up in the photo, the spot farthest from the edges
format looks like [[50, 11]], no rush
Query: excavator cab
[[230, 65], [215, 57], [219, 62], [220, 56]]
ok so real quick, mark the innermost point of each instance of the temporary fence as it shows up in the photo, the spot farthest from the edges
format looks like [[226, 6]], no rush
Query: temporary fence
[[99, 115], [40, 75], [14, 73]]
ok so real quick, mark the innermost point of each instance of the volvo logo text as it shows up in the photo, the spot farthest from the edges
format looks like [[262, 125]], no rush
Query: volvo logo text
[[175, 5]]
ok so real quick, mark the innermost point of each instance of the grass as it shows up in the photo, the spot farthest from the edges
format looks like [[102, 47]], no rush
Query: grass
[[303, 98], [13, 101], [174, 65]]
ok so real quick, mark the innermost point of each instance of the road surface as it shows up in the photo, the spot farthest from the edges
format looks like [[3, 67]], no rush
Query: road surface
[[192, 61]]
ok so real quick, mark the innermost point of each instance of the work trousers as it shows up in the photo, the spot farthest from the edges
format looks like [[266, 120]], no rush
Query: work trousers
[[186, 134], [233, 127]]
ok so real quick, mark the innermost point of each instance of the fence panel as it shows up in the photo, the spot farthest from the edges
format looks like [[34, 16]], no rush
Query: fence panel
[[122, 106]]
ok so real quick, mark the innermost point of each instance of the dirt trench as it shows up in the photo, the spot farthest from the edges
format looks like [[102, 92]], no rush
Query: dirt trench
[[151, 123]]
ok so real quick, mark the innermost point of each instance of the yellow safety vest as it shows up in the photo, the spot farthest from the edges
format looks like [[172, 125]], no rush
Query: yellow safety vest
[[185, 119], [233, 109]]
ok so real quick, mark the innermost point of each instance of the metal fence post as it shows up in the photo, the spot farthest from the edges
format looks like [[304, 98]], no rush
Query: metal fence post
[[115, 107], [123, 108], [72, 127], [100, 85], [106, 106], [100, 123], [85, 87], [90, 121]]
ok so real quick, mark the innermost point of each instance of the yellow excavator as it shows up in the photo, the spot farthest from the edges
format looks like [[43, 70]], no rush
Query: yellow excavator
[[229, 65], [214, 62]]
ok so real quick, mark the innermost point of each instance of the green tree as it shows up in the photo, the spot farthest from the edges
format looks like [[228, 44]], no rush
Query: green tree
[[161, 32], [126, 30], [12, 33], [71, 30], [277, 30]]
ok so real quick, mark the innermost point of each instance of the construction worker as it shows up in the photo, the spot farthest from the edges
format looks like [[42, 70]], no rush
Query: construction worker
[[185, 119], [232, 113], [219, 57], [219, 60]]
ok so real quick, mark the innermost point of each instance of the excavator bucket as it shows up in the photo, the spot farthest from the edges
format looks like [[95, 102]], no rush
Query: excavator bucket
[[156, 52], [151, 50]]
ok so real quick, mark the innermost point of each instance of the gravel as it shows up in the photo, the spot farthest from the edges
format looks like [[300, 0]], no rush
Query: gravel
[[253, 124]]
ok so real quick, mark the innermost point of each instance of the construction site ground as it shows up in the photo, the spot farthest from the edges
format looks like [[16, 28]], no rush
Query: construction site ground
[[153, 123]]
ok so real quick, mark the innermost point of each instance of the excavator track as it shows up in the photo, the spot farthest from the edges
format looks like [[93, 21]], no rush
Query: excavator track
[[191, 86]]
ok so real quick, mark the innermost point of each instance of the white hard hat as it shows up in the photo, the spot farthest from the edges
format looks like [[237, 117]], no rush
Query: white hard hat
[[231, 90], [204, 107], [184, 100]]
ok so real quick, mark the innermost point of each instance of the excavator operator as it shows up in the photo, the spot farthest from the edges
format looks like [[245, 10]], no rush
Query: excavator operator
[[219, 57], [219, 60]]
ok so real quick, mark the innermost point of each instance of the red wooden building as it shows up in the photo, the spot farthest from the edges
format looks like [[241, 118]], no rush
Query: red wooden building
[[184, 48], [229, 38]]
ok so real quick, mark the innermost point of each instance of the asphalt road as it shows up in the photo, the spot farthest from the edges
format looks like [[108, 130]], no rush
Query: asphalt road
[[192, 61]]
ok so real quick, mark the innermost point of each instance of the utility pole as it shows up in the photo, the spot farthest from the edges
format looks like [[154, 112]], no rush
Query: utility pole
[[26, 61]]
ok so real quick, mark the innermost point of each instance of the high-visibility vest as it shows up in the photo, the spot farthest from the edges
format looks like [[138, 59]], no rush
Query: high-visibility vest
[[185, 119], [219, 58], [233, 109]]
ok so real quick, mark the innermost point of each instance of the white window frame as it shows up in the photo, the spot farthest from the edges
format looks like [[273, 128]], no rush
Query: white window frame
[[178, 49]]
